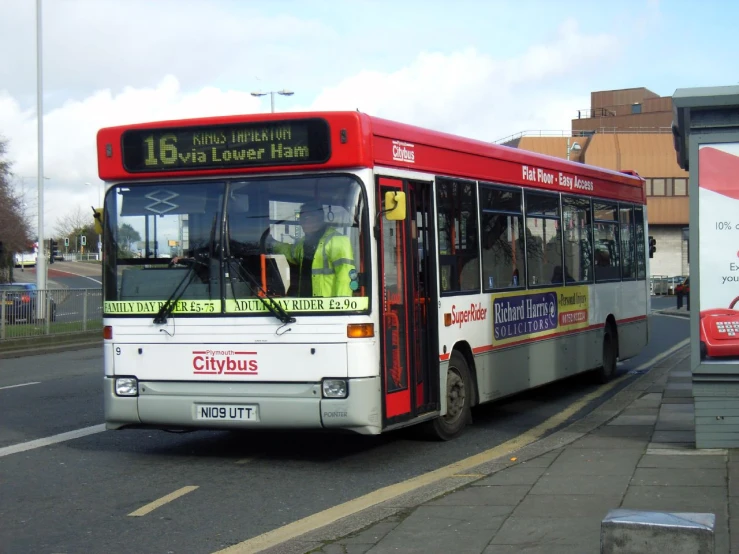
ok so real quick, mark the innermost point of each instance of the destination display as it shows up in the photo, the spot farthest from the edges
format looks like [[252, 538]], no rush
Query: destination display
[[302, 141]]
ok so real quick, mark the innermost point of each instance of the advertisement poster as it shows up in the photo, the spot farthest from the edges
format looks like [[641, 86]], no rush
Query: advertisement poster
[[718, 204], [520, 316]]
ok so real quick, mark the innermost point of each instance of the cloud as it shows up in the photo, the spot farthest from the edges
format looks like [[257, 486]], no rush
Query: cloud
[[466, 92], [476, 94]]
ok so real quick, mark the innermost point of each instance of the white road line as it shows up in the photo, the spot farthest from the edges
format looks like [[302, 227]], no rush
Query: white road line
[[38, 443], [21, 385]]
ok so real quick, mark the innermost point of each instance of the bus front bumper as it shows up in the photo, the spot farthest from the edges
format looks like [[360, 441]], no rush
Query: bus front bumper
[[181, 405]]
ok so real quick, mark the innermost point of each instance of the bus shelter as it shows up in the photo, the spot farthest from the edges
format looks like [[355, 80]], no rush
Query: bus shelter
[[706, 135]]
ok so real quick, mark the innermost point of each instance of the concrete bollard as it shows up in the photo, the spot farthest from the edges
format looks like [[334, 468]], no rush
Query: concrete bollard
[[639, 532]]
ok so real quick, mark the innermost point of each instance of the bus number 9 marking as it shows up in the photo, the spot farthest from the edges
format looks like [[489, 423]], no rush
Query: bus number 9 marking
[[167, 150]]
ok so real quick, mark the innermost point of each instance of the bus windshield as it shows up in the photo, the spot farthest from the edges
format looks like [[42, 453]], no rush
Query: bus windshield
[[216, 247]]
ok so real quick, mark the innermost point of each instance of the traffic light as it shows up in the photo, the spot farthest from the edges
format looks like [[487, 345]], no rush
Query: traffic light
[[83, 240], [53, 250], [652, 246], [66, 242]]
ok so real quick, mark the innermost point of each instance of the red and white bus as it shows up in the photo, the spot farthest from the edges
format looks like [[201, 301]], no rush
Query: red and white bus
[[333, 270]]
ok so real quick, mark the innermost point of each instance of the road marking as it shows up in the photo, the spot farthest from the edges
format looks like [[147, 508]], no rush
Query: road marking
[[21, 385], [162, 501], [330, 515], [245, 460], [38, 443], [469, 475]]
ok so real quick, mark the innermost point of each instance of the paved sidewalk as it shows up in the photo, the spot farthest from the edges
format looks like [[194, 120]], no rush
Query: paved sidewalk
[[635, 451]]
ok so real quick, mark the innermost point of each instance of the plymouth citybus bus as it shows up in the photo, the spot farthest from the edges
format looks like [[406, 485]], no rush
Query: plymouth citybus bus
[[448, 273]]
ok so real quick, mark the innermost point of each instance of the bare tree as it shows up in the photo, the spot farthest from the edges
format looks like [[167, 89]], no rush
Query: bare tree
[[73, 222], [15, 228]]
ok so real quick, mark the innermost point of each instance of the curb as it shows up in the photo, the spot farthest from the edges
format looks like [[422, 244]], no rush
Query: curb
[[34, 350], [675, 313], [598, 417]]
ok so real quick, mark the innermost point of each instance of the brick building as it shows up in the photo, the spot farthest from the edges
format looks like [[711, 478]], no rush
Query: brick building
[[630, 129]]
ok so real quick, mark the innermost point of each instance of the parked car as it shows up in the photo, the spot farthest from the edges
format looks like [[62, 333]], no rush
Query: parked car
[[684, 287], [20, 302]]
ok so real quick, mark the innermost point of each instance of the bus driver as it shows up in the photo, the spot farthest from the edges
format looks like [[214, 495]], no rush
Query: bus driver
[[324, 256]]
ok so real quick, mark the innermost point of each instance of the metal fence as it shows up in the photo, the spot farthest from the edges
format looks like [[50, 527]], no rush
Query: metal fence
[[38, 313]]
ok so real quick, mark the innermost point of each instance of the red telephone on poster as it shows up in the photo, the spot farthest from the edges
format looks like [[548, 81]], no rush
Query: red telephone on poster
[[719, 331]]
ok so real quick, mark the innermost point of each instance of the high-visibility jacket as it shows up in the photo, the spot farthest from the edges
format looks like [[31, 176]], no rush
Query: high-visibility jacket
[[332, 263]]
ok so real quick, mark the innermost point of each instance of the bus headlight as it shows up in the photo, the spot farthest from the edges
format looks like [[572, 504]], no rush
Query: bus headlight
[[335, 388], [126, 386]]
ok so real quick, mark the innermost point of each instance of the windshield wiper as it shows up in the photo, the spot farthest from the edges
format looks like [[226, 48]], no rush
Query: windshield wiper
[[270, 303], [168, 307]]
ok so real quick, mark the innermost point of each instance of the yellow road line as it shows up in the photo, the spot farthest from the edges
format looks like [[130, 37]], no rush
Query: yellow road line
[[335, 513], [162, 501]]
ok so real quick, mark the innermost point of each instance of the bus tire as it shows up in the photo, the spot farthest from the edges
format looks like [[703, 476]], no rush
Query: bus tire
[[606, 372], [459, 399]]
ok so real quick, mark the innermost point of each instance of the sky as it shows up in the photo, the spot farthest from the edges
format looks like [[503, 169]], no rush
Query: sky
[[484, 69]]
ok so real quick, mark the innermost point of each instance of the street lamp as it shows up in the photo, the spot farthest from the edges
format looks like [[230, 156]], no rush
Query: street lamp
[[574, 148], [283, 92]]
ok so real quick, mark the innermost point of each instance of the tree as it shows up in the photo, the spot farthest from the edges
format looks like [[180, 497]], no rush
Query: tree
[[15, 229], [75, 224], [127, 235]]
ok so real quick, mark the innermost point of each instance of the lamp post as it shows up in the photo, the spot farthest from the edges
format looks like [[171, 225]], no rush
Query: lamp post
[[40, 255], [283, 92], [574, 148]]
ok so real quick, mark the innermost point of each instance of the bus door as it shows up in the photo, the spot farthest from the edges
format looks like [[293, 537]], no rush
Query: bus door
[[408, 305]]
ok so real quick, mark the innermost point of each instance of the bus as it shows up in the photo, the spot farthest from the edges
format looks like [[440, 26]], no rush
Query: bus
[[342, 272], [27, 257]]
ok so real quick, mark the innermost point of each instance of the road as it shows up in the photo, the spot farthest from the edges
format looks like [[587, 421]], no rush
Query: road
[[73, 277], [79, 495]]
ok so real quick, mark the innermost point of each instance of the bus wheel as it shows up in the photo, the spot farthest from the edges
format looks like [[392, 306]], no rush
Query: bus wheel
[[608, 369], [458, 400]]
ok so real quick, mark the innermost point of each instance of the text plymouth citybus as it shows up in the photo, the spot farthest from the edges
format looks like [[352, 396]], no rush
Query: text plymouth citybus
[[337, 271]]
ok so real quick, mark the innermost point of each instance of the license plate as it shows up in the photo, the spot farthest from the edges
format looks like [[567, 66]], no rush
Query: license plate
[[226, 412]]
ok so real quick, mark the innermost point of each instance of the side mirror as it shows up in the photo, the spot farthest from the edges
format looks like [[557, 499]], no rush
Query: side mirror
[[394, 208], [97, 214]]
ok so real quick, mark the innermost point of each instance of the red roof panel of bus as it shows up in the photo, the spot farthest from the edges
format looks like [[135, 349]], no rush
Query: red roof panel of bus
[[371, 142]]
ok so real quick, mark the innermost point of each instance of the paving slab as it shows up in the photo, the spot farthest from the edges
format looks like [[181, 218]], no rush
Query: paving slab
[[544, 460], [516, 475], [507, 496], [674, 436], [678, 499], [681, 407], [678, 462], [598, 442], [532, 549], [606, 461], [691, 477], [640, 411], [567, 505], [463, 529], [583, 533], [634, 420], [581, 484]]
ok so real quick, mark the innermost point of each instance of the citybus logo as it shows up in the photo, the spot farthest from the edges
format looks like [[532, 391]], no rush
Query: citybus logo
[[403, 152], [224, 362]]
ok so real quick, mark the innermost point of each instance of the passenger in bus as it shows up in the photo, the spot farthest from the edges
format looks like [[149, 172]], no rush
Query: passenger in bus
[[324, 256]]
